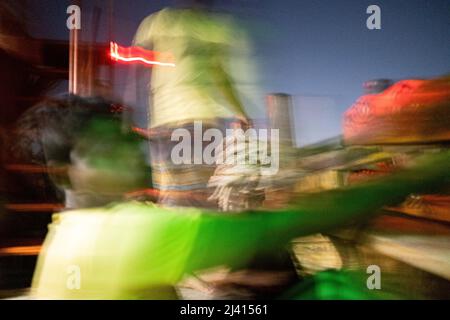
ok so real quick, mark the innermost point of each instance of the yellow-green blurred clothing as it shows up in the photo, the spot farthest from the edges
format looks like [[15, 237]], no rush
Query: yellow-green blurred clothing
[[211, 55], [138, 251]]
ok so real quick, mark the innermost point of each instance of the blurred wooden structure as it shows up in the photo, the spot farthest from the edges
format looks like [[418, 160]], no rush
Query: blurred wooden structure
[[30, 69]]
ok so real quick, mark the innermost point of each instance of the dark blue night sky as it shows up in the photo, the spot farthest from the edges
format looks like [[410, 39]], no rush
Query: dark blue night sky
[[312, 48]]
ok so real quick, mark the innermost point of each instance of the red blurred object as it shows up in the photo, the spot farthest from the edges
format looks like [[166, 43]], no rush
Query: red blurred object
[[140, 55], [410, 111]]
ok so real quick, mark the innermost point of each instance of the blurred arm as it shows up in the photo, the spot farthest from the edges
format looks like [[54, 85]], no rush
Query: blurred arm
[[233, 240]]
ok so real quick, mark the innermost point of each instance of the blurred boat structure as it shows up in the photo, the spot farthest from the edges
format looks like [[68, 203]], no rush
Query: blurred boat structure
[[383, 132], [409, 111]]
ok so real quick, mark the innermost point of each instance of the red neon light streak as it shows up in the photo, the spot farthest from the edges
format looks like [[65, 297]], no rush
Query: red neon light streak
[[140, 55]]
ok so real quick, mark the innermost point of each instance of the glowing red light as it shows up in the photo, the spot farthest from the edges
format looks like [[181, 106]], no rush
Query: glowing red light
[[140, 55]]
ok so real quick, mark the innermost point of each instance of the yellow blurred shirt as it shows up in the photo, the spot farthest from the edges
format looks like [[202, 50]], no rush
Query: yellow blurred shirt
[[201, 44]]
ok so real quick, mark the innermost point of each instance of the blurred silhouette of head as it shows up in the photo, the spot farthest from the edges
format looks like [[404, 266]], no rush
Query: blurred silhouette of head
[[104, 159]]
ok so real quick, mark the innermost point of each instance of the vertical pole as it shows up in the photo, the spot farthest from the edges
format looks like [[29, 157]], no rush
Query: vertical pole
[[73, 58], [71, 62], [75, 61], [91, 65], [281, 117]]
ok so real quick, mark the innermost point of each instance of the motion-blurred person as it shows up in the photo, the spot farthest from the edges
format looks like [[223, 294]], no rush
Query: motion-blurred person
[[46, 135], [78, 137], [211, 57], [141, 251], [49, 139]]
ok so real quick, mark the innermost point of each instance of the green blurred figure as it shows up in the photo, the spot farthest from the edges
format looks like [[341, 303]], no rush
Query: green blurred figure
[[76, 136], [141, 251]]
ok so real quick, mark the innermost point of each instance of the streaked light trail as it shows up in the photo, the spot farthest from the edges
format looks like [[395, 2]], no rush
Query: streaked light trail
[[139, 55]]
